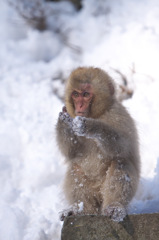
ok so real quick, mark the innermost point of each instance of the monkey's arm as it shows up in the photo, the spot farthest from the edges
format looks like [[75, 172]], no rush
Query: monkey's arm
[[108, 139], [69, 143]]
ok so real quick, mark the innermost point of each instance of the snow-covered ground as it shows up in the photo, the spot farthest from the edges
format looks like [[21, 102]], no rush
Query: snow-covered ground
[[121, 35]]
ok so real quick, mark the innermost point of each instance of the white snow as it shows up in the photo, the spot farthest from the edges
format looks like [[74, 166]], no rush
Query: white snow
[[78, 126], [119, 35]]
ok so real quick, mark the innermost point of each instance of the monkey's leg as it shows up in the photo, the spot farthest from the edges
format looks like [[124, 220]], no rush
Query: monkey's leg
[[80, 193], [118, 189]]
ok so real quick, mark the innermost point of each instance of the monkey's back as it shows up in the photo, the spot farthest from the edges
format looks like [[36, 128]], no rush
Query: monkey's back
[[120, 120]]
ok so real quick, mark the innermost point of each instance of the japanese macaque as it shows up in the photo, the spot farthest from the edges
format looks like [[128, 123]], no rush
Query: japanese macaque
[[99, 140]]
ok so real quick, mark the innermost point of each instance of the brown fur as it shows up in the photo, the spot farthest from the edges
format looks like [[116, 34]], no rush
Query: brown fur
[[104, 164]]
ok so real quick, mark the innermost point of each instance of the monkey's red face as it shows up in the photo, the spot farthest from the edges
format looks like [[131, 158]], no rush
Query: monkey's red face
[[82, 99]]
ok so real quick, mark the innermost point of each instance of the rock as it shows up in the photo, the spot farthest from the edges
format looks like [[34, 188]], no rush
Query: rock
[[90, 227]]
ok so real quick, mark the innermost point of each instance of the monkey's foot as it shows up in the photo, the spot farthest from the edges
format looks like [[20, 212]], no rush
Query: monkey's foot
[[75, 209], [115, 211], [66, 213]]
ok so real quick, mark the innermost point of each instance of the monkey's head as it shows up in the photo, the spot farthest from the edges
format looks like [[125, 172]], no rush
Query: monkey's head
[[89, 92]]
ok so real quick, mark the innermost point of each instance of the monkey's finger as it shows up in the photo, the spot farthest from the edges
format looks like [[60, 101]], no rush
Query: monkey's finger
[[64, 109], [62, 217], [108, 211]]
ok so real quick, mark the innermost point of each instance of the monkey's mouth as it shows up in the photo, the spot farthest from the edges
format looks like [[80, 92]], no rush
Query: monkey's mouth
[[81, 113]]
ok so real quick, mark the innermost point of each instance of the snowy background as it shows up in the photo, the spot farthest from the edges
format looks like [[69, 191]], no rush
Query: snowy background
[[121, 35]]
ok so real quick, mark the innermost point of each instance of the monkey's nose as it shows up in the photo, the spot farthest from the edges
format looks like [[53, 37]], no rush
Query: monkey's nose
[[80, 104]]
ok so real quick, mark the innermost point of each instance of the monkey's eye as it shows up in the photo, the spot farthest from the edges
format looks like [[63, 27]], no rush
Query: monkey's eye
[[86, 94], [75, 94]]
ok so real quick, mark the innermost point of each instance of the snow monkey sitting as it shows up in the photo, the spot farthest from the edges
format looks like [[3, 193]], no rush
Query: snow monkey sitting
[[99, 140]]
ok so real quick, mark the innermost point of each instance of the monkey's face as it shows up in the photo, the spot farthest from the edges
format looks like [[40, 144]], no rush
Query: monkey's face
[[89, 93], [82, 98]]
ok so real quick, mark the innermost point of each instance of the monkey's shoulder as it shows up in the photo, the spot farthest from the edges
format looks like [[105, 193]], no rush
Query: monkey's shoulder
[[118, 117]]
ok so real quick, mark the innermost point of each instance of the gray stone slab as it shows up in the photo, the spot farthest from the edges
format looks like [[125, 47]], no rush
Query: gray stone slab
[[90, 227]]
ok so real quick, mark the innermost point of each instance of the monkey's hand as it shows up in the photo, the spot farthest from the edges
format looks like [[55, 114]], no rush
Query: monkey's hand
[[115, 211], [79, 126], [65, 118]]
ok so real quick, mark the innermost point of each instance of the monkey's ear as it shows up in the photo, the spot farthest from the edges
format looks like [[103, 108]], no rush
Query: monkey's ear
[[111, 88]]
